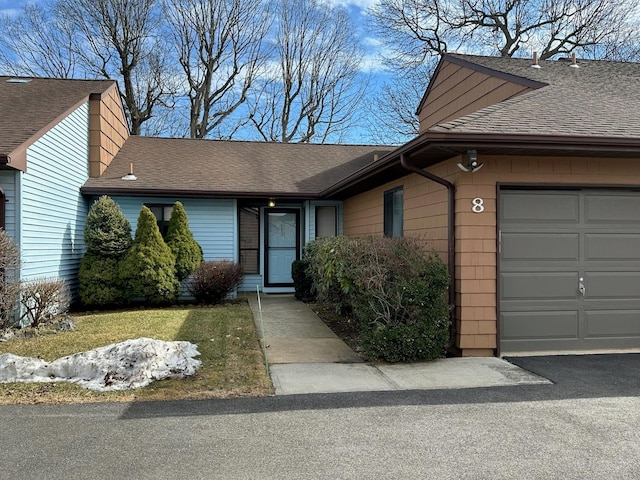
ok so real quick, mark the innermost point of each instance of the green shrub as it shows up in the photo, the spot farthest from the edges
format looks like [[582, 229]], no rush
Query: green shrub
[[99, 283], [213, 281], [333, 270], [395, 289], [148, 269], [302, 282], [107, 231], [187, 251], [107, 235]]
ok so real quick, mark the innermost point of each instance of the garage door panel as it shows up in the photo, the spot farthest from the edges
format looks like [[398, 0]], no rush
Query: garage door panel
[[604, 285], [539, 325], [612, 323], [539, 286], [532, 208], [612, 246], [612, 209], [540, 246], [543, 259]]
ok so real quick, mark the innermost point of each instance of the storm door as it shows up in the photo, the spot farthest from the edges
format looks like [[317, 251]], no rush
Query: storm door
[[282, 245]]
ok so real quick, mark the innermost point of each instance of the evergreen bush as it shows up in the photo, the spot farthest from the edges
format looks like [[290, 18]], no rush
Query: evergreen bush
[[148, 269], [107, 231], [99, 283], [107, 236], [302, 281], [213, 281], [9, 280], [180, 240]]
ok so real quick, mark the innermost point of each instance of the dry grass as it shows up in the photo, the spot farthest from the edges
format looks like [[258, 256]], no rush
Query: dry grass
[[232, 362]]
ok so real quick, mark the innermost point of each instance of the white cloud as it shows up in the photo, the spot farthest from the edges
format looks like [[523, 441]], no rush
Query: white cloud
[[361, 4]]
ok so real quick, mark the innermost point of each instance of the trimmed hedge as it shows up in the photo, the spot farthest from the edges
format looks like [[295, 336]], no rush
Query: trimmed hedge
[[180, 240], [396, 290], [148, 269]]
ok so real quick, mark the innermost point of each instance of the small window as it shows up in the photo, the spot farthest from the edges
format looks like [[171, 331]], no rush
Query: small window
[[326, 222], [163, 215], [249, 226], [393, 207]]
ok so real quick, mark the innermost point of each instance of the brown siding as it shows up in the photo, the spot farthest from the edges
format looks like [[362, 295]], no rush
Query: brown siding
[[476, 233], [425, 211], [108, 130], [459, 91]]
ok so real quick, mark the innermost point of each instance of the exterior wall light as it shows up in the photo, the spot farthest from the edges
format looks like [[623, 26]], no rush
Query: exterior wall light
[[472, 164], [272, 202]]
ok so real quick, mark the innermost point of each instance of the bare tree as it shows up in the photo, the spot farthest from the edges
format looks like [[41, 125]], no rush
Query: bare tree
[[416, 32], [37, 43], [219, 45], [310, 90], [120, 39]]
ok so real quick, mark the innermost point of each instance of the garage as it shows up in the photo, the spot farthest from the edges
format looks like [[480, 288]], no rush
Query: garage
[[569, 269]]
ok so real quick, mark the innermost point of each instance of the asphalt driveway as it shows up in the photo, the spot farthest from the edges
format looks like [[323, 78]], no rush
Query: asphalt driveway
[[584, 425]]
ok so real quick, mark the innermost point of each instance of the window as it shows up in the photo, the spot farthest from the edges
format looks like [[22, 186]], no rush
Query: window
[[393, 206], [249, 227], [326, 225], [163, 215]]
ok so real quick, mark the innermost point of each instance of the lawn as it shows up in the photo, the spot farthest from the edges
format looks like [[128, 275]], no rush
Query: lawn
[[232, 362]]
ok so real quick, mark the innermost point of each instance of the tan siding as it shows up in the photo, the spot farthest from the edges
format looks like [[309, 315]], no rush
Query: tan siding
[[459, 91], [425, 211], [425, 214], [108, 130], [476, 233]]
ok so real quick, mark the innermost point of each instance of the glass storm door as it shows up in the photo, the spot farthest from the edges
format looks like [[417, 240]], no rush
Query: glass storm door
[[282, 238]]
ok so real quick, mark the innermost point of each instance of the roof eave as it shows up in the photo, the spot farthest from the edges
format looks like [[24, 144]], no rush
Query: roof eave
[[450, 144], [164, 193]]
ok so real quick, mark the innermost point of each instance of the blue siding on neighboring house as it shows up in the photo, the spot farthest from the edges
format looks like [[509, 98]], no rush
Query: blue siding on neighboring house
[[8, 183], [213, 222], [52, 211]]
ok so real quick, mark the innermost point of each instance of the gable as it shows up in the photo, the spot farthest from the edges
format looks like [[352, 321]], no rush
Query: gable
[[459, 88]]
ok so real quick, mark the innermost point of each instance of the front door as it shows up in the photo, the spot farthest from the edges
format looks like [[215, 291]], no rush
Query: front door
[[282, 244]]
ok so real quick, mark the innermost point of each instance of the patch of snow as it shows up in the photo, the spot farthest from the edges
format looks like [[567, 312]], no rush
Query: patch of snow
[[120, 366]]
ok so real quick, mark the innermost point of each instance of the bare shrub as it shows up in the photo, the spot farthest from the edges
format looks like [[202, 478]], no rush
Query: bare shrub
[[43, 299], [213, 281], [9, 281]]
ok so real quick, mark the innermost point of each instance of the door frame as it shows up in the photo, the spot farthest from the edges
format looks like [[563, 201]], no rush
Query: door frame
[[266, 213]]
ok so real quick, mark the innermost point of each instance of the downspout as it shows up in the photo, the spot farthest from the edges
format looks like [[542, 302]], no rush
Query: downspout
[[451, 240]]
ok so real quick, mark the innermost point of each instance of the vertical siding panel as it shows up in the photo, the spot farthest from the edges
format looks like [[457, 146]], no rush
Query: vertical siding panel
[[52, 210]]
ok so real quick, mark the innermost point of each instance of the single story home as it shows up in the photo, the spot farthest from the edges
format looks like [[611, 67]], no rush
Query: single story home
[[524, 177]]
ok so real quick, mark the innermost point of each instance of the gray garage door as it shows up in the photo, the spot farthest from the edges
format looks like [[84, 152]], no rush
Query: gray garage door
[[569, 270]]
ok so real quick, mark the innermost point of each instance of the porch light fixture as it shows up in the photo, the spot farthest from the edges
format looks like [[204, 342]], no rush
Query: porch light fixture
[[272, 202], [472, 165], [130, 175]]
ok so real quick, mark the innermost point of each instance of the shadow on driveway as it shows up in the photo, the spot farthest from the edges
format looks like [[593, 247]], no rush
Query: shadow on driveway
[[574, 376]]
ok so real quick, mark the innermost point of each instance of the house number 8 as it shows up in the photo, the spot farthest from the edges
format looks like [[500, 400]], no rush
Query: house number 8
[[477, 205]]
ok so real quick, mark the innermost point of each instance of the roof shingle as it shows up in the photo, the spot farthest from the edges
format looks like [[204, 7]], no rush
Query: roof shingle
[[229, 168], [598, 99], [29, 105]]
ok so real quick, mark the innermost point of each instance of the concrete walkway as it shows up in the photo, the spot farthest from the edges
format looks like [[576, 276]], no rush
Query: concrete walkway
[[305, 356]]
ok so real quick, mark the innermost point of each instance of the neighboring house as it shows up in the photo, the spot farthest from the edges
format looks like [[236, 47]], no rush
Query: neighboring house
[[255, 203], [542, 242], [52, 132], [545, 237]]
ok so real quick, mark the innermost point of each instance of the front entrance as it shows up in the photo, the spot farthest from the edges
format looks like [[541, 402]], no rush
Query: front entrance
[[282, 245]]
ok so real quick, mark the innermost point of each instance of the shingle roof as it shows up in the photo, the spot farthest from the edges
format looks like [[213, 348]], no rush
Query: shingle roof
[[229, 168], [598, 99], [30, 105]]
